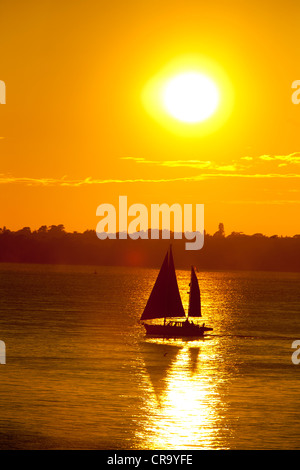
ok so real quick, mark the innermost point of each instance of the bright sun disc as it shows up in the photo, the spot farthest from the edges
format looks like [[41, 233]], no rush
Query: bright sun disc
[[190, 97]]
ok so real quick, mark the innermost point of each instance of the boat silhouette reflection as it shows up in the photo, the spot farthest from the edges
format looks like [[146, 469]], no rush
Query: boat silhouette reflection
[[158, 358], [180, 401]]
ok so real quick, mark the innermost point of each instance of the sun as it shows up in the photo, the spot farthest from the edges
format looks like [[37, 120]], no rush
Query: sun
[[190, 97]]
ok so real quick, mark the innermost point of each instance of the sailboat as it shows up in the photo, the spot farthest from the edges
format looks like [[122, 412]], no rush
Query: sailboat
[[165, 303]]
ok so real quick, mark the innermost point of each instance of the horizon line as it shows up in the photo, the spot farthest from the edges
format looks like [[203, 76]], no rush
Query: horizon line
[[171, 232]]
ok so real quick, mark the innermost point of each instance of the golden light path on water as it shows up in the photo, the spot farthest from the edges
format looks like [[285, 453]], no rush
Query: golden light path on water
[[181, 407], [186, 384]]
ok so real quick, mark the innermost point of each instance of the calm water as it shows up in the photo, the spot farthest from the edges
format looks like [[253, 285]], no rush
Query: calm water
[[80, 373]]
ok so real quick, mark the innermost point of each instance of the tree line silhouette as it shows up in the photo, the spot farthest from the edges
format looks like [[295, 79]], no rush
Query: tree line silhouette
[[237, 251]]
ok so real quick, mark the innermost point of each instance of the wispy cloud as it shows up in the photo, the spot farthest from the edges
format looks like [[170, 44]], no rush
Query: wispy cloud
[[80, 182], [247, 158], [267, 202], [291, 158], [246, 167], [198, 164], [243, 167], [90, 181]]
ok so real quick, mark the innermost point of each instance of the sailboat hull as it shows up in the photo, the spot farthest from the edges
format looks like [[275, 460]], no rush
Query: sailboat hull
[[176, 330]]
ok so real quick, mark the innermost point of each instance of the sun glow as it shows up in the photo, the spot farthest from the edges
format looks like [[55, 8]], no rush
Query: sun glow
[[191, 97]]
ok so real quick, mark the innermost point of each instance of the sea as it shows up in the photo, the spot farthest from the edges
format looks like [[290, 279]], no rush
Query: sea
[[79, 372]]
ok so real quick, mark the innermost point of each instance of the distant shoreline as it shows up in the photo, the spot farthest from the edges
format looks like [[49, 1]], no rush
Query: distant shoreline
[[95, 266], [235, 252]]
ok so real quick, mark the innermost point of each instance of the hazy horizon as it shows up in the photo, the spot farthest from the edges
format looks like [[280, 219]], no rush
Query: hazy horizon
[[206, 233]]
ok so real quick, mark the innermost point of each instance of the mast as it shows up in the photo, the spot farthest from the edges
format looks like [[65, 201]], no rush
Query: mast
[[195, 300]]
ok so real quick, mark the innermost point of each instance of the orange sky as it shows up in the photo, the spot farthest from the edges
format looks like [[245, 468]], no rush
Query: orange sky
[[75, 132]]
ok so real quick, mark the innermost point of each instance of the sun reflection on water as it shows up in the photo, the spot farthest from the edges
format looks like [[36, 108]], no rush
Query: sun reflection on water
[[181, 400]]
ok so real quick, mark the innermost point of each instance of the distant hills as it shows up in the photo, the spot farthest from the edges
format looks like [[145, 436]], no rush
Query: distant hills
[[237, 251]]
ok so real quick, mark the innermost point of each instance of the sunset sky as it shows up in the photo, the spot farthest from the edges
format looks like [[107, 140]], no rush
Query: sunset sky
[[76, 131]]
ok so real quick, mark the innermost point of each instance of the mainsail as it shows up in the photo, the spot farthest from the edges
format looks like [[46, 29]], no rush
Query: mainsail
[[156, 306], [164, 300], [195, 302]]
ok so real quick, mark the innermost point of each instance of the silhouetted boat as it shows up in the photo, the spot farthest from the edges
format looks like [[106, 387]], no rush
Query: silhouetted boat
[[165, 302]]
